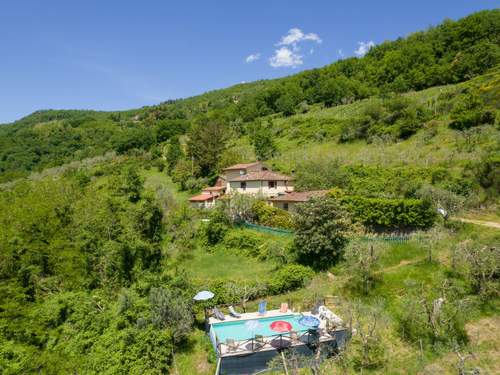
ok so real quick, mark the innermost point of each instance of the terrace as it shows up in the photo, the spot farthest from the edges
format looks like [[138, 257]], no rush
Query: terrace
[[245, 344]]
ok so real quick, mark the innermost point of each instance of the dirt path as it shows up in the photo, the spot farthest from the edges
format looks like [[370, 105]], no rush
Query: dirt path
[[491, 224], [399, 265]]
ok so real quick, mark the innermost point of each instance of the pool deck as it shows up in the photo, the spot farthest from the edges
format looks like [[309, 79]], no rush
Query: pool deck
[[275, 342], [251, 316]]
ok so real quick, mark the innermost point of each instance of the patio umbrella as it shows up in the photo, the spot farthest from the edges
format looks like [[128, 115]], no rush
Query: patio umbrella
[[203, 295], [309, 321], [281, 326], [252, 325]]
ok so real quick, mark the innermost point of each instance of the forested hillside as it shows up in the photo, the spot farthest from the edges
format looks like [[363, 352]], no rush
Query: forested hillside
[[449, 53], [100, 254]]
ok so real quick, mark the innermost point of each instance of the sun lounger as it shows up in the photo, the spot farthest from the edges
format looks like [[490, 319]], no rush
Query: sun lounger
[[233, 313], [284, 307], [218, 314], [262, 307]]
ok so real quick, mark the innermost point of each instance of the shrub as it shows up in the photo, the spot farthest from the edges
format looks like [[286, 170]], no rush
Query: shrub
[[216, 228], [470, 112], [441, 198], [321, 174], [243, 240], [271, 216], [287, 278], [488, 173], [290, 277]]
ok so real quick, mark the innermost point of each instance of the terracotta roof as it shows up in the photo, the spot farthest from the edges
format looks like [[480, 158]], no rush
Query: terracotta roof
[[214, 188], [299, 196], [241, 166], [262, 176], [202, 197]]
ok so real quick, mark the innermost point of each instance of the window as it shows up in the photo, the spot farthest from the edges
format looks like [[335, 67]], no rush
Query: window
[[243, 185], [272, 184], [285, 206], [242, 172]]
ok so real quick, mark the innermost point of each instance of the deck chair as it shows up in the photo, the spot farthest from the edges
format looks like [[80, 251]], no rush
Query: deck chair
[[315, 309], [284, 307], [233, 313], [231, 345], [218, 314], [262, 307]]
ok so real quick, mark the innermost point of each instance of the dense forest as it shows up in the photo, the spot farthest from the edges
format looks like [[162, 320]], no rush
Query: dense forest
[[100, 254]]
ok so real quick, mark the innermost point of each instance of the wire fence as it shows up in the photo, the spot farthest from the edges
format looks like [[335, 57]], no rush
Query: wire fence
[[396, 238], [264, 229]]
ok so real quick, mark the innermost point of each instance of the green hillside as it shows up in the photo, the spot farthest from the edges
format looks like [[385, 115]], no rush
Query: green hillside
[[101, 254], [449, 53]]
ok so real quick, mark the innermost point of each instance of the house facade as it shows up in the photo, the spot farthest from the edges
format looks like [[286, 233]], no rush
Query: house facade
[[209, 195], [251, 178], [288, 201]]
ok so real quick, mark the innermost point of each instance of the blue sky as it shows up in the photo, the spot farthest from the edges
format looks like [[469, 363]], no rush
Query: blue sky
[[111, 54]]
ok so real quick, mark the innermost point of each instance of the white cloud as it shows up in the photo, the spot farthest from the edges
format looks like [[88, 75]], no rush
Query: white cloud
[[285, 57], [296, 35], [288, 53], [363, 48], [253, 57], [340, 53]]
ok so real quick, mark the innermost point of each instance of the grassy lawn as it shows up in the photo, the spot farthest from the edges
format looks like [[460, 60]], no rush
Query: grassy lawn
[[154, 179], [196, 357], [224, 264]]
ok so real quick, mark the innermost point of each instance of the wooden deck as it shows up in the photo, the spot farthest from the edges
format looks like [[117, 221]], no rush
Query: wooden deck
[[274, 342]]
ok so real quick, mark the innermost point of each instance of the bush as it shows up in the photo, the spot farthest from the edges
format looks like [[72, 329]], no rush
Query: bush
[[315, 174], [243, 240], [216, 228], [396, 117], [470, 112], [287, 278], [441, 198], [290, 277], [271, 216]]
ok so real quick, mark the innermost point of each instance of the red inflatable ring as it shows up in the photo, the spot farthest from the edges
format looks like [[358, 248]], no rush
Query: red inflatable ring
[[281, 326]]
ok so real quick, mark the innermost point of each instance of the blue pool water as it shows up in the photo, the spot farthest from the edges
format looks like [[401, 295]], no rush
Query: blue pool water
[[240, 330]]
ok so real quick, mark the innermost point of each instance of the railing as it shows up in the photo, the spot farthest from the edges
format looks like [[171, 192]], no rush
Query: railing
[[277, 341]]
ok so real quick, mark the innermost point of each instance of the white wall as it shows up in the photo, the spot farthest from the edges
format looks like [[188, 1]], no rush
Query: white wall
[[259, 187]]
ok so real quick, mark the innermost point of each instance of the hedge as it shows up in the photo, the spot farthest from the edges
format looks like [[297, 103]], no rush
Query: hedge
[[391, 213], [289, 277]]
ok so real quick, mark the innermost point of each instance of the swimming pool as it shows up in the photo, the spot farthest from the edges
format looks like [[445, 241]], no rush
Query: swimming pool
[[243, 330]]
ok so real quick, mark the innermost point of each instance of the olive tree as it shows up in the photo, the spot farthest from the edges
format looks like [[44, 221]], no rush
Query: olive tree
[[362, 262]]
